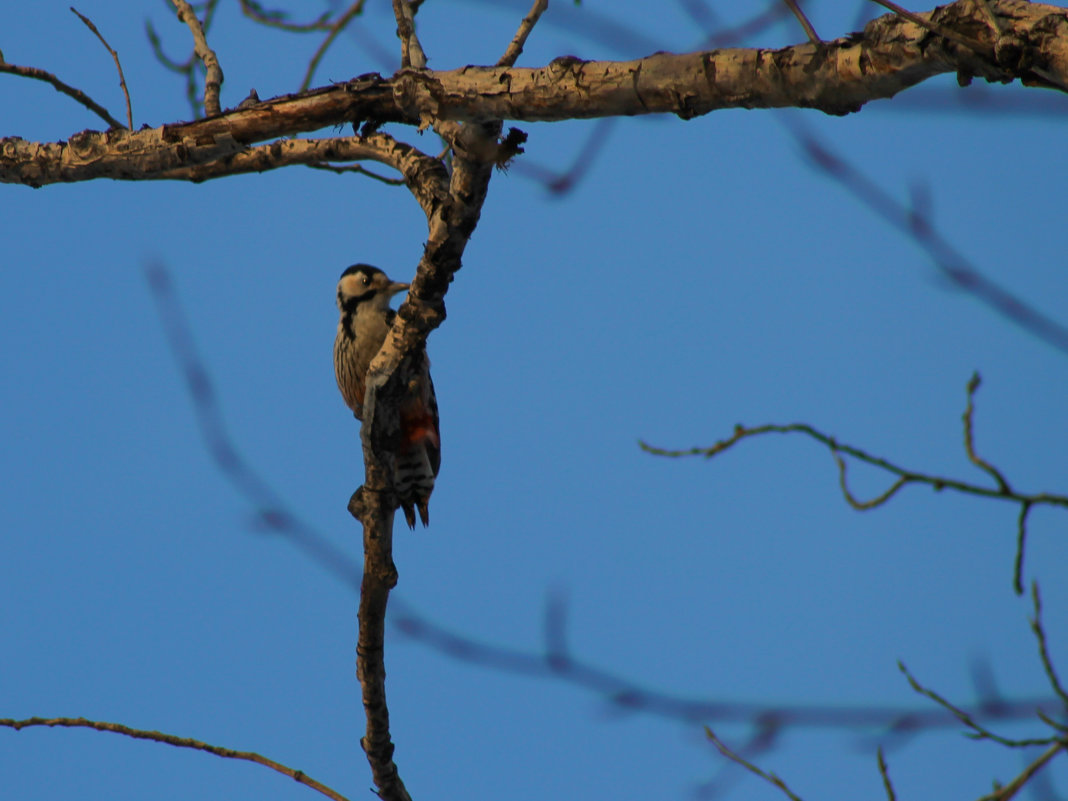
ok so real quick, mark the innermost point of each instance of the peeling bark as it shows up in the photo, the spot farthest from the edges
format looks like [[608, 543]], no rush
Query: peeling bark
[[837, 77]]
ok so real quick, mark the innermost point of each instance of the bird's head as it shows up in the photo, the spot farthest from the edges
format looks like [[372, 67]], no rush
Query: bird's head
[[363, 284]]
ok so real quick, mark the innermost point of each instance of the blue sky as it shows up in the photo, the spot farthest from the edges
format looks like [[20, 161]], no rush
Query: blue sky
[[701, 275]]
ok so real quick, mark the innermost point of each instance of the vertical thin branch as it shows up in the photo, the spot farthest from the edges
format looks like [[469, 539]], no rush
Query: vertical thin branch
[[214, 78], [412, 54], [450, 225], [1021, 544], [1043, 648], [810, 32], [374, 510], [122, 78], [969, 439], [885, 773], [520, 39]]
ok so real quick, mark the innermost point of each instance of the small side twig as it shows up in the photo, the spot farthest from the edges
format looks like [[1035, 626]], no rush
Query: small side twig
[[1021, 544], [969, 439], [1043, 649], [412, 54], [335, 28], [515, 48], [770, 778], [885, 773], [214, 77], [1017, 784], [978, 732], [122, 78], [179, 742], [80, 96], [810, 32], [852, 500], [341, 169]]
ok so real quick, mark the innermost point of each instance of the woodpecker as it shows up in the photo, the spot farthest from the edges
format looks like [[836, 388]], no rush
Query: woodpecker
[[363, 295]]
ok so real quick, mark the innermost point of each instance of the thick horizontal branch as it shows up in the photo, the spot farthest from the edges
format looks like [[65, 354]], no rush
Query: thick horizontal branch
[[838, 77]]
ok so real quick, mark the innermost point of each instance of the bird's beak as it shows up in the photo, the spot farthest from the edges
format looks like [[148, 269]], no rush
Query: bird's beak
[[396, 287]]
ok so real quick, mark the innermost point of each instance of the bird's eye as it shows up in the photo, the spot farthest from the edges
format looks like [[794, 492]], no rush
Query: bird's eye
[[365, 279]]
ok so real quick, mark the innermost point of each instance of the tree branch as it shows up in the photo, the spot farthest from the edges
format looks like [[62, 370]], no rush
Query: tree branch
[[450, 225], [60, 86], [837, 77], [1043, 649], [884, 772], [424, 175], [1003, 491], [1012, 788], [810, 32], [770, 778], [122, 78], [179, 742], [412, 54], [336, 28], [214, 78], [515, 48], [978, 731]]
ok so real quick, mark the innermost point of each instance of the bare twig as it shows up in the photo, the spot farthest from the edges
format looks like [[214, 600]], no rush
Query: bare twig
[[179, 742], [277, 19], [863, 506], [979, 732], [1021, 543], [1004, 490], [214, 77], [520, 38], [347, 168], [60, 86], [770, 778], [947, 260], [1017, 784], [969, 439], [188, 68], [885, 773], [1043, 649], [122, 78], [335, 28], [909, 476], [810, 32], [412, 54]]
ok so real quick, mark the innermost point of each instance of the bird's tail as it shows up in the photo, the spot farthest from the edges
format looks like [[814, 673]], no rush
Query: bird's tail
[[413, 483]]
